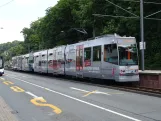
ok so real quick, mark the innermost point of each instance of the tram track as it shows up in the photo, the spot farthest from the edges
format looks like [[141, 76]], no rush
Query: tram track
[[144, 89], [129, 87]]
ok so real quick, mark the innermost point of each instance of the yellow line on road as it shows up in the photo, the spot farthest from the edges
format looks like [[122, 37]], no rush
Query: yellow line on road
[[89, 93], [115, 93], [8, 82], [40, 99], [17, 89]]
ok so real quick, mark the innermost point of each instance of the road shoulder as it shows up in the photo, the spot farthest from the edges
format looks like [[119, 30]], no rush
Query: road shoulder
[[6, 112]]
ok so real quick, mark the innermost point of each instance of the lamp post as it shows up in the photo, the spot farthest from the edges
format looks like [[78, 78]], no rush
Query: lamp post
[[142, 32]]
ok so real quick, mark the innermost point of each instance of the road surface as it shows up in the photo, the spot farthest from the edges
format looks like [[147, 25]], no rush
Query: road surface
[[36, 97]]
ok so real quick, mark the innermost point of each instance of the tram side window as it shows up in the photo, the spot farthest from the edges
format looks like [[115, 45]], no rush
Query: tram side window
[[27, 59], [81, 57], [97, 53], [40, 63], [110, 53], [31, 60], [87, 53]]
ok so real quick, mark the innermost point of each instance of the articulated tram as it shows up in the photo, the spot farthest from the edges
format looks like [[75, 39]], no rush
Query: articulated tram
[[1, 66], [104, 57]]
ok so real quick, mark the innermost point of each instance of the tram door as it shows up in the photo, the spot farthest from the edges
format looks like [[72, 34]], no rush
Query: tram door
[[40, 63], [54, 62], [110, 61], [79, 60]]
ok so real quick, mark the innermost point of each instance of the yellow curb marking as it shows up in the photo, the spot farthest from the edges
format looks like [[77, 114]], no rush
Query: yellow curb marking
[[17, 89], [8, 82], [115, 93], [55, 109], [89, 93]]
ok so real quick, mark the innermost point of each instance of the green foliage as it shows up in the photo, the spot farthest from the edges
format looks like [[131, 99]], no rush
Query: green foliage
[[55, 28], [10, 49], [32, 36]]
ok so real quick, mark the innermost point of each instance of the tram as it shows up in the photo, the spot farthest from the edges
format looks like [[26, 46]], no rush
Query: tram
[[104, 57]]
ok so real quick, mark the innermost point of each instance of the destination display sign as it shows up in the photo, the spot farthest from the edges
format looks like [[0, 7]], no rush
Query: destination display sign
[[126, 41]]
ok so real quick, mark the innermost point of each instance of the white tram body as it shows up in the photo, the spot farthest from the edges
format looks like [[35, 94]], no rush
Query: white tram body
[[37, 62], [14, 62], [25, 62], [19, 63], [50, 55], [105, 57]]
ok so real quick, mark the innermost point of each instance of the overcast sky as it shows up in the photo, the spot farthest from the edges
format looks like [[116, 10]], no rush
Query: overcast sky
[[19, 14]]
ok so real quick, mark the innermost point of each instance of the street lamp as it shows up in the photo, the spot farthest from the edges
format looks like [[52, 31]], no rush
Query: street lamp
[[142, 44]]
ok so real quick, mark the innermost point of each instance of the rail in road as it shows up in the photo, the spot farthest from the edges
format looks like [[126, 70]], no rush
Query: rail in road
[[39, 98]]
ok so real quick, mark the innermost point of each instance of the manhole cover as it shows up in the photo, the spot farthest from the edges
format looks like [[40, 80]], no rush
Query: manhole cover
[[14, 112]]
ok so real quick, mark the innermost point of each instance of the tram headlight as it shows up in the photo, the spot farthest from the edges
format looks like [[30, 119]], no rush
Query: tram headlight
[[137, 71], [122, 72]]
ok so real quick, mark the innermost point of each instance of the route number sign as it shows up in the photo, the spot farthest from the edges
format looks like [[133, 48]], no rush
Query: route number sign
[[142, 45]]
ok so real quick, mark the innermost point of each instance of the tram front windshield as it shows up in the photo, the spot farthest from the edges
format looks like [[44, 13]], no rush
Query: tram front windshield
[[128, 55]]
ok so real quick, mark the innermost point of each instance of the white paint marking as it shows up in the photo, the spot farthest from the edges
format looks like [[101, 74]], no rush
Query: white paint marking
[[34, 119], [73, 98], [51, 113], [79, 89], [33, 95], [96, 92], [2, 78], [99, 107]]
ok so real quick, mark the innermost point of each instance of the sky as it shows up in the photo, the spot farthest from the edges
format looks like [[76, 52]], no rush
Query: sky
[[19, 14]]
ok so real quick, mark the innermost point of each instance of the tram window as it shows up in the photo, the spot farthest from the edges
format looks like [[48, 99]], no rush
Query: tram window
[[31, 61], [77, 52], [111, 54], [60, 53], [87, 53], [81, 52], [97, 53], [71, 54], [50, 54], [39, 63], [27, 59]]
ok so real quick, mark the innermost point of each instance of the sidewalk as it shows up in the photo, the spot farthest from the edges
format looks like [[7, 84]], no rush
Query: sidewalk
[[5, 112]]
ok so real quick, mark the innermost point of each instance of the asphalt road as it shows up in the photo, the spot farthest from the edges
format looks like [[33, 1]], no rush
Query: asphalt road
[[42, 98]]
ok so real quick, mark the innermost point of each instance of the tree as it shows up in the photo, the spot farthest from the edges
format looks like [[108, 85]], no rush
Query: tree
[[55, 28]]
